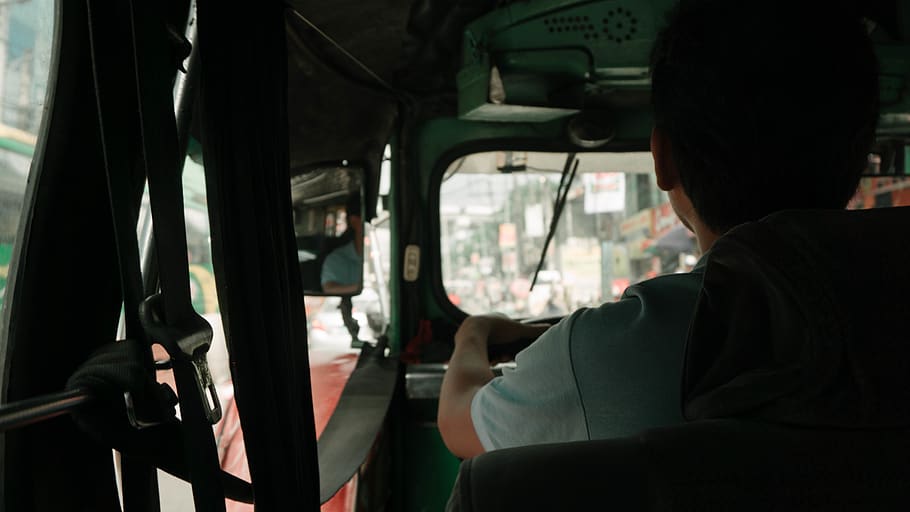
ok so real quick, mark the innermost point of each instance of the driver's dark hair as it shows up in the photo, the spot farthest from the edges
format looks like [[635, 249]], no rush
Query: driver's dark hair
[[767, 104]]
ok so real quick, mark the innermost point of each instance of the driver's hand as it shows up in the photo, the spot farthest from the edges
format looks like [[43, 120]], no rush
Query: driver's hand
[[496, 329]]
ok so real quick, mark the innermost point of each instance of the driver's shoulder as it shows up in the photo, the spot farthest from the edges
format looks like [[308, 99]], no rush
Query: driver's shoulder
[[660, 304], [670, 292]]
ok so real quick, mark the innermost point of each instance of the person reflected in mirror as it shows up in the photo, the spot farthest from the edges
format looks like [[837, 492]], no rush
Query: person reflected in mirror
[[342, 270], [754, 112]]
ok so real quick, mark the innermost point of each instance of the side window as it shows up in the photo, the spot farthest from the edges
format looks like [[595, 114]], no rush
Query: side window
[[26, 36]]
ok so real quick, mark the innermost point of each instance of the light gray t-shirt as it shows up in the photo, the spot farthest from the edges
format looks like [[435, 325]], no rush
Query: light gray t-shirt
[[602, 372]]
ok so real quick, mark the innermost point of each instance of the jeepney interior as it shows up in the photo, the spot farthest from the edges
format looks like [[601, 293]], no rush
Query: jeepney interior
[[496, 143]]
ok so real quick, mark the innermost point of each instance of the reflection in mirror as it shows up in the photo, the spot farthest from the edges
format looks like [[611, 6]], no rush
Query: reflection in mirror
[[327, 202]]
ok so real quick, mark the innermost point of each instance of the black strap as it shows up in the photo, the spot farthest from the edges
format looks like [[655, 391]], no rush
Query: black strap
[[357, 420], [168, 317], [142, 79], [244, 134], [140, 484]]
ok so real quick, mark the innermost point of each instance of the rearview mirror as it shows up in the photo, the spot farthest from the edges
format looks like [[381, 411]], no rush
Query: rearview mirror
[[328, 206]]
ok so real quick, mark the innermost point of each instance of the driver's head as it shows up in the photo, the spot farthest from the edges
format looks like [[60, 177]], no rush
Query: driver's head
[[765, 104]]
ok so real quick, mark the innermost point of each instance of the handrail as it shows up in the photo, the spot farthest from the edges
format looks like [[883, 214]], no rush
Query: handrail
[[19, 414]]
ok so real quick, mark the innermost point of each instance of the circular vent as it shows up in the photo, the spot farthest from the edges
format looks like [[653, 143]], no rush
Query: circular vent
[[581, 25], [619, 25]]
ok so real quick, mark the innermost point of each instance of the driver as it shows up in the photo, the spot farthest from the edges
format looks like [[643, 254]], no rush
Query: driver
[[758, 106], [342, 270]]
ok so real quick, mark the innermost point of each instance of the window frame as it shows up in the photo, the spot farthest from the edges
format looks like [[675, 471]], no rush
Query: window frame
[[435, 277]]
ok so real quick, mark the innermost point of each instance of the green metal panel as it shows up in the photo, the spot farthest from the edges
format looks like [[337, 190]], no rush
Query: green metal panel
[[539, 61], [555, 54], [430, 469]]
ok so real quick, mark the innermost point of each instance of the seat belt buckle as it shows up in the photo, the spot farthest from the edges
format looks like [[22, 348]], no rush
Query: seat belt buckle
[[187, 343], [205, 386]]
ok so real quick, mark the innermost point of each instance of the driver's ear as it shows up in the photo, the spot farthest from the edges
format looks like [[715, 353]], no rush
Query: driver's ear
[[664, 167]]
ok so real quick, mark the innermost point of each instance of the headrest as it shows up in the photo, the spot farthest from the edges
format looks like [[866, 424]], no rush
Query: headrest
[[804, 319]]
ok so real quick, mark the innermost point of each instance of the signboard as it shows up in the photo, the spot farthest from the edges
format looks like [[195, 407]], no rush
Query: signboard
[[665, 219], [508, 235], [534, 222], [605, 192], [640, 223], [651, 222]]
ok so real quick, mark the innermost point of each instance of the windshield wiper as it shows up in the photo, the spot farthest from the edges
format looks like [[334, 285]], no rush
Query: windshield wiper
[[562, 193]]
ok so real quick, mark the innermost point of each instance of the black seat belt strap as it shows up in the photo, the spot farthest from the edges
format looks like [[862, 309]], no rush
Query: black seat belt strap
[[139, 478], [130, 78], [168, 317]]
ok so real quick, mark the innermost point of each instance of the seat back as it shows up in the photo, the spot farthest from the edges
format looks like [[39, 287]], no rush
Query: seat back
[[713, 465], [801, 320]]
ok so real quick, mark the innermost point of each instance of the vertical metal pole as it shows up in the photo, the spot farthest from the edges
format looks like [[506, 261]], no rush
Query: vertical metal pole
[[184, 98], [186, 83]]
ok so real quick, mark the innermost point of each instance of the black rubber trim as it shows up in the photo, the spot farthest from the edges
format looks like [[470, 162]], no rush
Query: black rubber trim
[[358, 418]]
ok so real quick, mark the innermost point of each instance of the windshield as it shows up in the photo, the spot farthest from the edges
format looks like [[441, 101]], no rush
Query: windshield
[[616, 228]]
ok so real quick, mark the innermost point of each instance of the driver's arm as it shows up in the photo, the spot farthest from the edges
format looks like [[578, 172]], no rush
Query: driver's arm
[[469, 370]]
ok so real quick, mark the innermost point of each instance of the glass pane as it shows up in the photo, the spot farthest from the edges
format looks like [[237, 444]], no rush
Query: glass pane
[[26, 32], [616, 228]]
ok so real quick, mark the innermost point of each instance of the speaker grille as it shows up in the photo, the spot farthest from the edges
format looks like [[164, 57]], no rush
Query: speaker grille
[[619, 25], [582, 25]]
